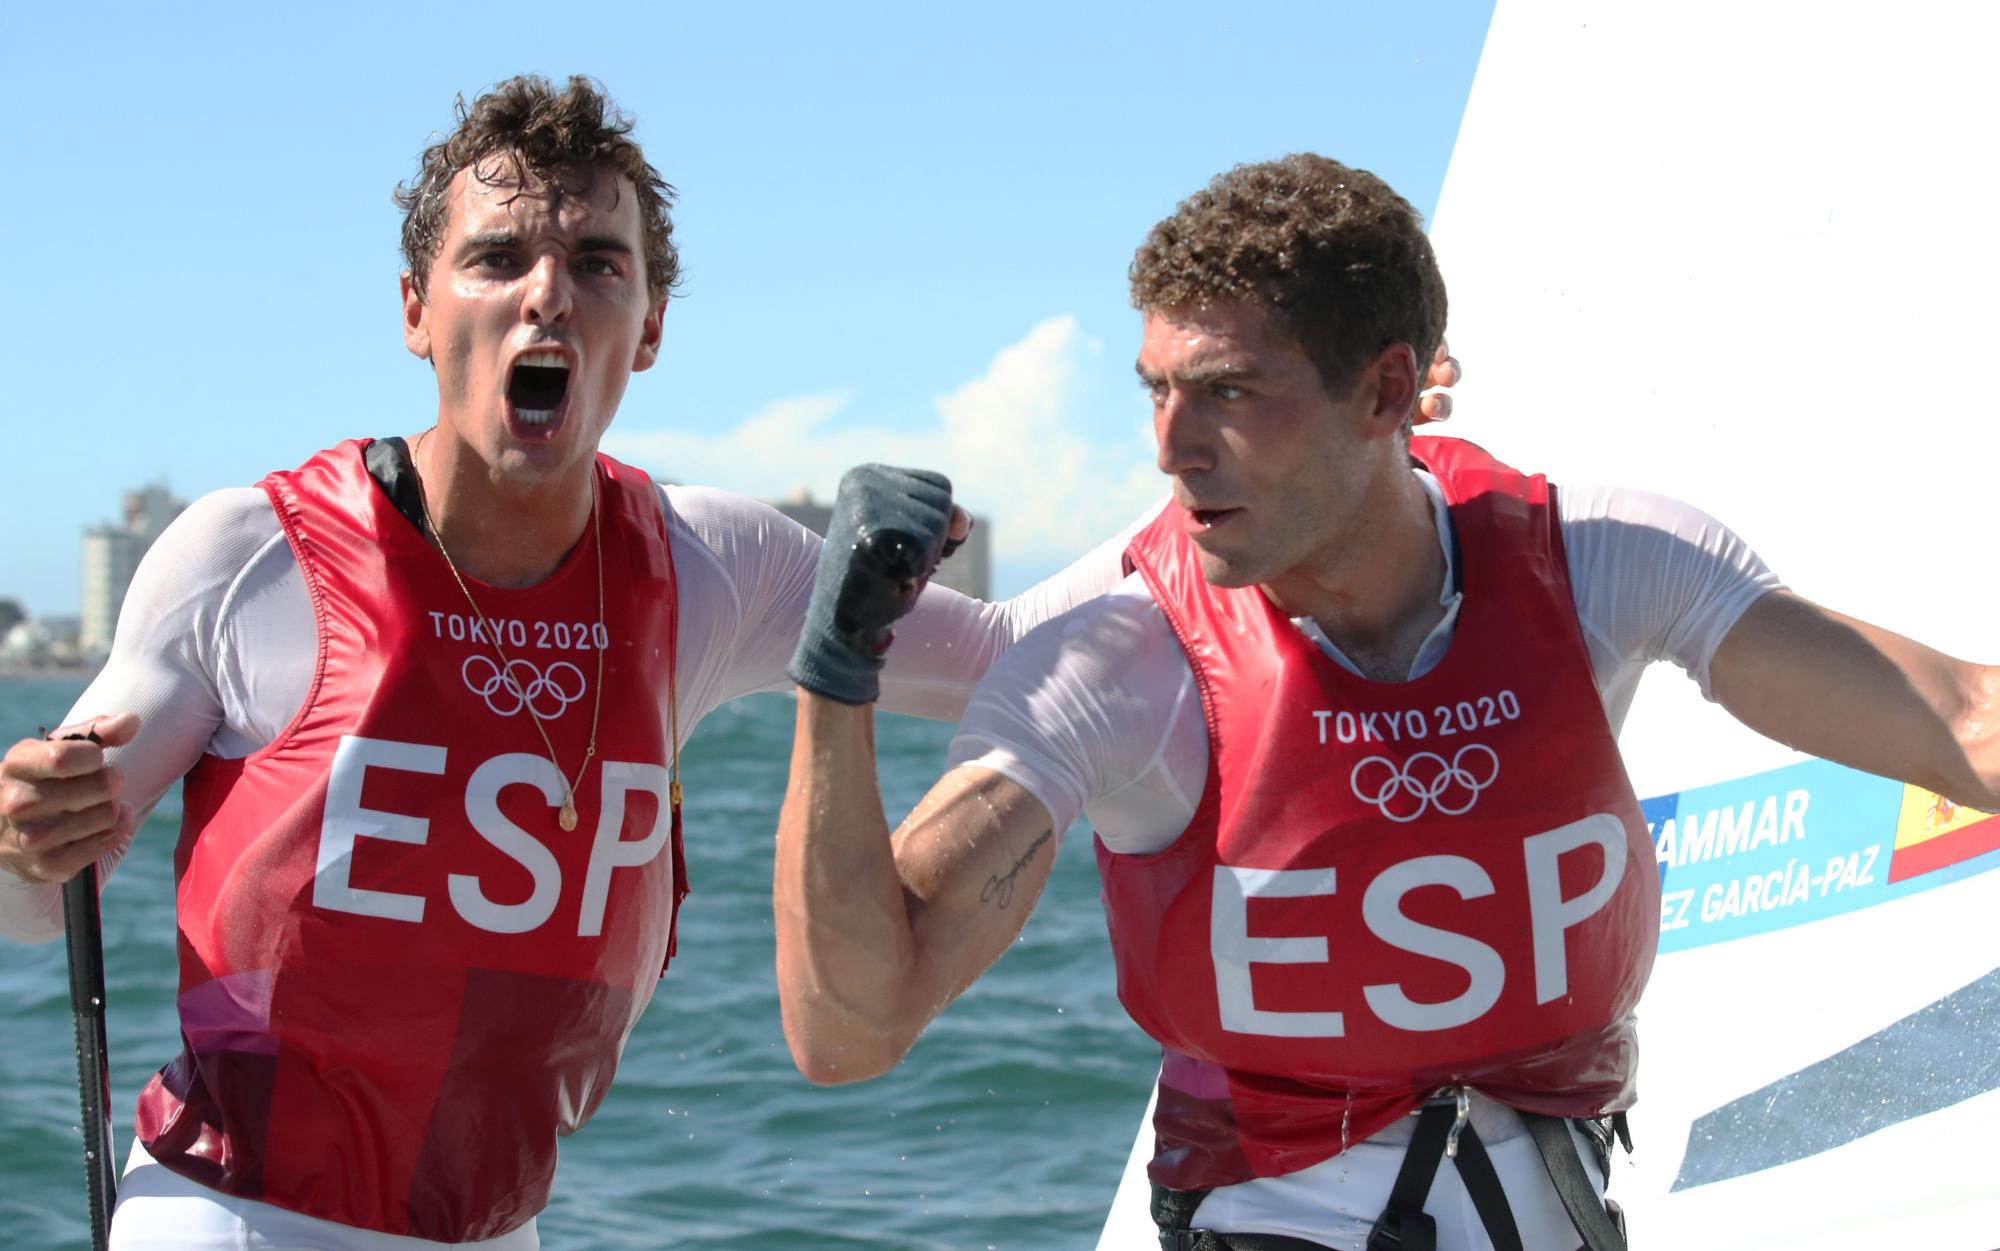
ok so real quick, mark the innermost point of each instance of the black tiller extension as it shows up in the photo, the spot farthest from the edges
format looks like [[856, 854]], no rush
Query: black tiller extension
[[93, 1058]]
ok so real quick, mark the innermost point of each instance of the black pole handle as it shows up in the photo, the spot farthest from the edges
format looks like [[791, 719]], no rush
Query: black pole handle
[[93, 1057]]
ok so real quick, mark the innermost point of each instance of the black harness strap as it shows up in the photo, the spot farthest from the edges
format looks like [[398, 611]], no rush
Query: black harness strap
[[1579, 1197], [1173, 1212], [1489, 1198], [1404, 1225]]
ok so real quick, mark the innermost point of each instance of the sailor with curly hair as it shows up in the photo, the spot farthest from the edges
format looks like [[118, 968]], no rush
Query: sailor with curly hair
[[428, 696], [1374, 874]]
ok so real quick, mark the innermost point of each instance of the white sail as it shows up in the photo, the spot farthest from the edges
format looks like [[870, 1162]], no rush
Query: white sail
[[1735, 253]]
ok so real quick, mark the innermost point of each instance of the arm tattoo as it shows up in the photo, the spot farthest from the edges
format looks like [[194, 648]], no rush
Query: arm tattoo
[[999, 890]]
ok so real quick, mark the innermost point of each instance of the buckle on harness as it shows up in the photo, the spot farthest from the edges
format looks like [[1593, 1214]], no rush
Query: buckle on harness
[[1458, 1122], [1400, 1230]]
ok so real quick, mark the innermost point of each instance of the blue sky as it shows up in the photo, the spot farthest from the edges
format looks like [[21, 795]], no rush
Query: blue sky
[[905, 229]]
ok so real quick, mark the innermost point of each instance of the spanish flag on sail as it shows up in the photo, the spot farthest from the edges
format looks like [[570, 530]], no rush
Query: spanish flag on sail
[[1932, 833]]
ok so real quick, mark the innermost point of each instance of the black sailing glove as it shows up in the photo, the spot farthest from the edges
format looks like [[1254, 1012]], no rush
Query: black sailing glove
[[886, 537]]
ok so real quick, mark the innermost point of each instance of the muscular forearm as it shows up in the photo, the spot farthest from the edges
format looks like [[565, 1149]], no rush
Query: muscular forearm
[[845, 948], [873, 941], [1865, 697]]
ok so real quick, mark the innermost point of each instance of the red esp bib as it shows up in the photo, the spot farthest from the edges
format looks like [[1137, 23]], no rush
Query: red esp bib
[[400, 978], [1387, 887]]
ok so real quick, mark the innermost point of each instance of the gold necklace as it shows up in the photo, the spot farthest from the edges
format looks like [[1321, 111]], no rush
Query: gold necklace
[[568, 817]]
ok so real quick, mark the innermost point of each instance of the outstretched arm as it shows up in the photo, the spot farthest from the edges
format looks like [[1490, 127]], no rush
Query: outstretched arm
[[1860, 695], [875, 938], [877, 935]]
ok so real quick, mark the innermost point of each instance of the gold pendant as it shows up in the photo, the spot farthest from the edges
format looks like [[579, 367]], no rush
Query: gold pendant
[[568, 818]]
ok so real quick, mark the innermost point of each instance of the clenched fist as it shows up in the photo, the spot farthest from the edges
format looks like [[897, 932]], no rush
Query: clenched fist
[[59, 805]]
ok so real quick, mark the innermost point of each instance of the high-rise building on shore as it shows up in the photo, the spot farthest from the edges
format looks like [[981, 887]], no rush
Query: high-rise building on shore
[[969, 571], [111, 553]]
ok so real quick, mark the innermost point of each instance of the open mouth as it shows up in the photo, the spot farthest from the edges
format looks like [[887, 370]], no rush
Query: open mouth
[[536, 390], [1207, 517]]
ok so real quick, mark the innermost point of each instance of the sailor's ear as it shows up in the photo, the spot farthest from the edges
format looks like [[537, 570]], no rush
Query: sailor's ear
[[1396, 384], [416, 319], [649, 337]]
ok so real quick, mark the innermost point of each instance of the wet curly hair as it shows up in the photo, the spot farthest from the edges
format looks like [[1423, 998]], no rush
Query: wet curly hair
[[1334, 252], [539, 134]]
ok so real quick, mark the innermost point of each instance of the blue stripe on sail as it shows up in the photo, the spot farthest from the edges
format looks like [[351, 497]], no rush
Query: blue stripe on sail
[[1892, 1076], [1779, 849]]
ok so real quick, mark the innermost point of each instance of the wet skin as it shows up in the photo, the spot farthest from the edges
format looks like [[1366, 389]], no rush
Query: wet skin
[[549, 267], [1301, 492]]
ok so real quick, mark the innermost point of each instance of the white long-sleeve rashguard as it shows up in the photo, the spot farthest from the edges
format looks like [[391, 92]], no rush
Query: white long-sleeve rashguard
[[215, 642], [1097, 714], [215, 649]]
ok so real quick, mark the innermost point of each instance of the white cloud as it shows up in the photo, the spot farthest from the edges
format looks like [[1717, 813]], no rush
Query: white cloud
[[1009, 439]]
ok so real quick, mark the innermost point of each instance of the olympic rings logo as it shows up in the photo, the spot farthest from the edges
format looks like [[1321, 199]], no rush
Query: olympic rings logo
[[1425, 781], [521, 685]]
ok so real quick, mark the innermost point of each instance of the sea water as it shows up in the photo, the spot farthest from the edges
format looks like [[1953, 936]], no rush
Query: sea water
[[1006, 1128]]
